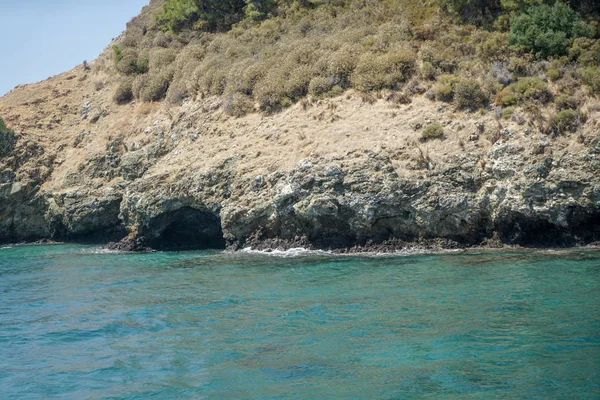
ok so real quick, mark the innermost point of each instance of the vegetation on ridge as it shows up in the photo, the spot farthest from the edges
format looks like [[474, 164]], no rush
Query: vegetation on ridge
[[267, 54], [7, 139]]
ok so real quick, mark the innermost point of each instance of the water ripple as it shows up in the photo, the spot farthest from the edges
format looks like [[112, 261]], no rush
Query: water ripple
[[78, 322]]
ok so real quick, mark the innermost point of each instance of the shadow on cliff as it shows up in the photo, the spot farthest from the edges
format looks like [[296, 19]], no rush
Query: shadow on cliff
[[581, 228]]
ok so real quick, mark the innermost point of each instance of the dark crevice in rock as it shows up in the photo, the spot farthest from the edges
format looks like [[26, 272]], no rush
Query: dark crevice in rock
[[187, 229], [583, 228], [100, 237], [60, 233]]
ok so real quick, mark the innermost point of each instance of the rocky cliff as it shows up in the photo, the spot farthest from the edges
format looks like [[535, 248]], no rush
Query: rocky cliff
[[340, 172]]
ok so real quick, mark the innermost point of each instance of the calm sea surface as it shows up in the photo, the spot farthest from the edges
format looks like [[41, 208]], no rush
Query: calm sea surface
[[81, 324]]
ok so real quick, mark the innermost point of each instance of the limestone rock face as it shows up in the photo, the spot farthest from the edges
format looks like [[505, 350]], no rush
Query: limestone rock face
[[188, 176]]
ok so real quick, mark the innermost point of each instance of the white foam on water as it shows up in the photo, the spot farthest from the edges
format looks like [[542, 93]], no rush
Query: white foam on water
[[410, 251], [293, 252], [102, 250], [303, 252]]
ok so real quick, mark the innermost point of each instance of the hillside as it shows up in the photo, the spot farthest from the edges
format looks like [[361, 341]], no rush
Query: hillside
[[331, 124]]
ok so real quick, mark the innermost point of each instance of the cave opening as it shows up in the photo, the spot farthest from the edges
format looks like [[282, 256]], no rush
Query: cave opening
[[583, 228], [188, 229]]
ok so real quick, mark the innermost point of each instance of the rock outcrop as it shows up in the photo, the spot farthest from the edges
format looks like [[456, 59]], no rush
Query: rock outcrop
[[338, 173]]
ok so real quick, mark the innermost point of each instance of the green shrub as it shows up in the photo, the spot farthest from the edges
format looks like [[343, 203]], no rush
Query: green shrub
[[7, 139], [127, 65], [525, 89], [247, 79], [469, 11], [469, 95], [132, 38], [211, 76], [506, 97], [555, 69], [566, 102], [375, 72], [258, 10], [591, 77], [160, 58], [138, 85], [319, 86], [118, 53], [528, 86], [162, 39], [432, 131], [124, 92], [494, 47], [298, 82], [269, 93], [554, 73], [566, 121], [342, 63], [547, 30], [206, 15], [238, 105], [440, 56], [143, 63], [444, 90], [152, 87], [585, 51], [336, 90], [428, 71], [508, 112], [519, 66]]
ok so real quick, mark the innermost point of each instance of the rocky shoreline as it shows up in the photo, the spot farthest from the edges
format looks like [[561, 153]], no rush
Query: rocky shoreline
[[237, 183], [320, 205], [278, 246]]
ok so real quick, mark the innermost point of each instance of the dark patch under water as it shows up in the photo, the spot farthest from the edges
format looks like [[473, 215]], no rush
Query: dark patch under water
[[79, 323]]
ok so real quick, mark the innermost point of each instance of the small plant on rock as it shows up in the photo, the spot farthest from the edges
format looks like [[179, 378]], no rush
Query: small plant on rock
[[566, 121], [432, 131], [444, 90], [469, 95]]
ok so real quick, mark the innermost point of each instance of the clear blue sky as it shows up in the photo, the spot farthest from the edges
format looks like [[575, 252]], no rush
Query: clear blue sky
[[41, 38]]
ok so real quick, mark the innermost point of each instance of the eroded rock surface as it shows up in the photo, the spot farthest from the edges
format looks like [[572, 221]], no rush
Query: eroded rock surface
[[339, 173]]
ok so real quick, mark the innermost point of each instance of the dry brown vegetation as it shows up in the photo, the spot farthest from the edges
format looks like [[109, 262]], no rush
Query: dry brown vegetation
[[322, 51]]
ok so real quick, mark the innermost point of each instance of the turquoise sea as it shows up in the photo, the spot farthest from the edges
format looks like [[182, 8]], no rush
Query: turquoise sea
[[80, 323]]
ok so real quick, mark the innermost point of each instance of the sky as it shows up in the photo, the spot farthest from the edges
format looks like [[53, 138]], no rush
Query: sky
[[42, 38]]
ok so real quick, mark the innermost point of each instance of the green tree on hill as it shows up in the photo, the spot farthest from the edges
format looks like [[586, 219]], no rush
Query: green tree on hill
[[547, 30], [211, 15]]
